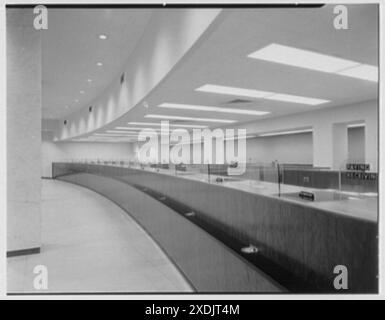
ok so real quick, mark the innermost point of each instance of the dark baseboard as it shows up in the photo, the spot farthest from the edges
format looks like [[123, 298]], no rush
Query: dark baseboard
[[48, 178], [23, 252]]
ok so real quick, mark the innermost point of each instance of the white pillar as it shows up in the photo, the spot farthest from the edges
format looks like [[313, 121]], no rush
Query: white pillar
[[23, 131], [340, 145], [323, 145], [371, 140]]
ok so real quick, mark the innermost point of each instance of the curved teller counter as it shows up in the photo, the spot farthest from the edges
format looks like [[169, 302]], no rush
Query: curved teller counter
[[237, 235]]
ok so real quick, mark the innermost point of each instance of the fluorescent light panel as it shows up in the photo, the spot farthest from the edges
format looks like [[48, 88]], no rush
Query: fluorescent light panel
[[135, 130], [115, 131], [315, 61], [356, 125], [171, 124], [159, 116], [296, 99], [211, 109], [285, 133], [301, 58], [112, 135], [234, 91], [363, 71]]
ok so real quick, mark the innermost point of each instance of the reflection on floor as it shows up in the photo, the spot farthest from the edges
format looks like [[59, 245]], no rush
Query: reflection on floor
[[91, 245]]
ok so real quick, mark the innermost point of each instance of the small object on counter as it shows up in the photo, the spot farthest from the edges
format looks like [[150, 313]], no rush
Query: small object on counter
[[307, 195], [250, 249], [233, 164], [219, 180]]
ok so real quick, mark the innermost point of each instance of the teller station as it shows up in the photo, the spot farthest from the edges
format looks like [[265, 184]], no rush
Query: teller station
[[275, 228], [283, 197]]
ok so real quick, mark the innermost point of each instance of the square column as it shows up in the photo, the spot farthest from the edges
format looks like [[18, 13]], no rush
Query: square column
[[371, 141], [23, 132], [330, 145], [340, 145], [323, 145]]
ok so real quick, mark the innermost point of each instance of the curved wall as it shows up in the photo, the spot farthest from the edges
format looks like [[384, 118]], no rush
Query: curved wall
[[171, 33], [206, 262], [299, 245]]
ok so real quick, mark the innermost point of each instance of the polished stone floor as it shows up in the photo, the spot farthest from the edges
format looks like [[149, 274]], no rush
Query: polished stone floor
[[92, 245]]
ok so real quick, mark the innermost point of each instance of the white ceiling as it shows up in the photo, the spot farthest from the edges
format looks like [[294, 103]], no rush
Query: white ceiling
[[71, 47], [222, 59]]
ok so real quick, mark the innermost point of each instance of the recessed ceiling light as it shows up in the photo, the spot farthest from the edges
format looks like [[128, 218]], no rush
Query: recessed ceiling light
[[132, 128], [363, 71], [301, 58], [113, 135], [117, 131], [356, 125], [89, 80], [81, 91], [102, 36], [234, 91], [139, 129], [237, 137], [315, 61], [99, 64], [171, 124], [296, 99], [212, 109], [281, 133], [159, 116]]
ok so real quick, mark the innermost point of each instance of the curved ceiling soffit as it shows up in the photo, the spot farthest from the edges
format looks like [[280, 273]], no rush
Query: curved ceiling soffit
[[168, 39]]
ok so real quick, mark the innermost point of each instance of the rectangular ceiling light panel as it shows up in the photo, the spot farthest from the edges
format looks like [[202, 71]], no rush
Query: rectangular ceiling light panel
[[363, 71], [258, 94], [171, 124], [160, 116], [281, 133], [212, 109], [233, 91], [315, 61]]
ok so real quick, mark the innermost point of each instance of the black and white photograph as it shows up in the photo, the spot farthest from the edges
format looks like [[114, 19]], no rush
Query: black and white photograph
[[192, 148]]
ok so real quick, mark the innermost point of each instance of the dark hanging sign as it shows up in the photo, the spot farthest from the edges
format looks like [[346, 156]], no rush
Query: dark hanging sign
[[306, 195], [357, 167], [361, 175]]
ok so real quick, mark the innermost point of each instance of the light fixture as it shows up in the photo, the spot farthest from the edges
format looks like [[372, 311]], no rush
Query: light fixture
[[239, 137], [171, 124], [315, 61], [115, 134], [102, 37], [159, 116], [363, 71], [89, 80], [212, 109], [137, 128], [356, 125], [116, 131], [281, 133], [111, 135], [81, 91], [234, 91], [99, 64], [296, 99]]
